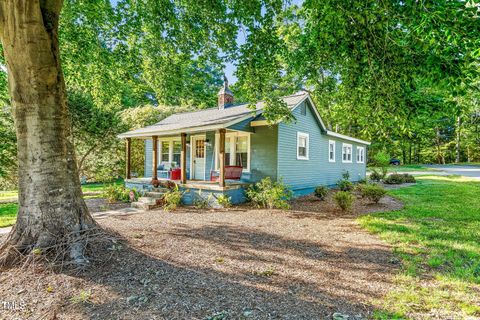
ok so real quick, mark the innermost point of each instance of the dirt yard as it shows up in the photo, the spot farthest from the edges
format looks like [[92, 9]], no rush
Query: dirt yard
[[306, 263]]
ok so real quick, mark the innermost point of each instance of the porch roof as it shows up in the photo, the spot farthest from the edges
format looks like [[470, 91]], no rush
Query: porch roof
[[209, 119]]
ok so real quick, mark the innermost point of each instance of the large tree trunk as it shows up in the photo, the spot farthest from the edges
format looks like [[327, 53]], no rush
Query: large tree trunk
[[51, 208]]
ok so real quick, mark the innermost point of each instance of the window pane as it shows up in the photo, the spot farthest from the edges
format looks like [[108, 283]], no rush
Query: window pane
[[177, 149], [302, 151], [241, 159], [241, 144], [164, 147], [199, 148], [302, 142], [241, 151], [227, 151]]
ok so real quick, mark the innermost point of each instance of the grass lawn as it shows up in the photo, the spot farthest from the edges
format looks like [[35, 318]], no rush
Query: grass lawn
[[8, 211], [8, 214], [404, 168], [437, 238]]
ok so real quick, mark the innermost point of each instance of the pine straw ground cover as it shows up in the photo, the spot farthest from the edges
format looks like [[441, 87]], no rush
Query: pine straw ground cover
[[242, 263]]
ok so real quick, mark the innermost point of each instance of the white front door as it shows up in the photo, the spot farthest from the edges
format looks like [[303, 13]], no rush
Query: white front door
[[199, 158]]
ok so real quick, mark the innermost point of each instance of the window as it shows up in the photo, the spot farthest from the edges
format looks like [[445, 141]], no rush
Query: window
[[347, 153], [237, 150], [360, 155], [170, 152], [331, 151], [302, 146], [200, 148], [177, 151], [165, 151], [241, 151]]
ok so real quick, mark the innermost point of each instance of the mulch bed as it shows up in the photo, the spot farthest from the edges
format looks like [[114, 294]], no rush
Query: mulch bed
[[243, 263]]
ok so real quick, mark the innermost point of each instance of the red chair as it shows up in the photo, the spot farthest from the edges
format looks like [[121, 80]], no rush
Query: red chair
[[175, 174], [231, 173]]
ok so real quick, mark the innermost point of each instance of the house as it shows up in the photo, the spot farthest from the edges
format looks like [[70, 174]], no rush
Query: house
[[204, 145]]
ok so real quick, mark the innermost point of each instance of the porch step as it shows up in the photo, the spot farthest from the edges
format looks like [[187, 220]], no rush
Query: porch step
[[145, 206], [160, 190], [156, 195], [147, 200]]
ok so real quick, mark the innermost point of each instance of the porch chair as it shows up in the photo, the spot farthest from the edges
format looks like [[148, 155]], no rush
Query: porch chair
[[231, 173]]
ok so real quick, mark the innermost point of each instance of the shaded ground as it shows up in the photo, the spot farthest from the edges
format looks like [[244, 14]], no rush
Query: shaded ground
[[306, 263]]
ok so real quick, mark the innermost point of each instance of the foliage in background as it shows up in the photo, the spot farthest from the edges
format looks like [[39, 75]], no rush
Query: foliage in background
[[269, 194]]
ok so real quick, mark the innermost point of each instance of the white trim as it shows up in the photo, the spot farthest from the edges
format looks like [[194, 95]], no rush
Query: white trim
[[341, 136], [362, 158], [330, 143], [231, 135], [347, 145], [307, 145], [192, 167]]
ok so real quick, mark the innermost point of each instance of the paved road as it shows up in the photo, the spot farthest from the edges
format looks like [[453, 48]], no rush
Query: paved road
[[468, 171]]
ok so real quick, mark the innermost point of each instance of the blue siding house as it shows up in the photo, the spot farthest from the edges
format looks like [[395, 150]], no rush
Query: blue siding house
[[303, 153]]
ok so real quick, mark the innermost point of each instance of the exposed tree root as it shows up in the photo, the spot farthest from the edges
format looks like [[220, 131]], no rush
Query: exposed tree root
[[69, 251]]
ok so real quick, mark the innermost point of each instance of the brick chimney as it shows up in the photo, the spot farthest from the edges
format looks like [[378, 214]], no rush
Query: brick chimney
[[225, 96]]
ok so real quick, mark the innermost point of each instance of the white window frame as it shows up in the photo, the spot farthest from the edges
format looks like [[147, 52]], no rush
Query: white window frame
[[230, 136], [360, 154], [307, 145], [331, 143], [347, 145], [170, 148]]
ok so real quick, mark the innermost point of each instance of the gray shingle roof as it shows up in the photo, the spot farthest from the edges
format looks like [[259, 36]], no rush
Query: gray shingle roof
[[196, 120]]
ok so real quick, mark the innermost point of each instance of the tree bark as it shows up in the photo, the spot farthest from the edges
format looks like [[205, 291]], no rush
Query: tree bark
[[51, 208]]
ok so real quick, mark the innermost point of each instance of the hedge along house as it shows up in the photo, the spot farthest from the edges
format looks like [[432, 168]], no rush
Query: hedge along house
[[205, 150]]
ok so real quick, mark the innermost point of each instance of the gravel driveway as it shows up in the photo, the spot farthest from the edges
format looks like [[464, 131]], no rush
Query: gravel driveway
[[472, 171]]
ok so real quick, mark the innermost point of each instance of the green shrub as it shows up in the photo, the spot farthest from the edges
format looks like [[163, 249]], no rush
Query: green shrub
[[408, 178], [394, 178], [346, 175], [344, 200], [321, 192], [376, 176], [269, 194], [373, 192], [224, 201], [119, 193], [172, 199], [345, 185]]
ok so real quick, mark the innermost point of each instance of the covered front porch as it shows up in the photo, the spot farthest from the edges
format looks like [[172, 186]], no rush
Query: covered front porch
[[218, 157], [201, 163]]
